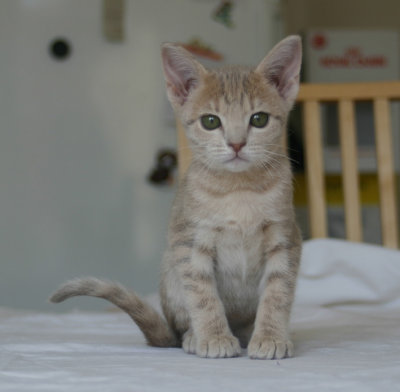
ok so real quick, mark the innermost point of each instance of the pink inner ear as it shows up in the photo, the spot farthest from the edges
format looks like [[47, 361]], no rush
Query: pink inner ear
[[181, 72], [181, 91], [289, 78], [282, 67], [284, 74]]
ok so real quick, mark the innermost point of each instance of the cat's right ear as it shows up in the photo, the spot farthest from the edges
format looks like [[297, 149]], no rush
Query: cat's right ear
[[281, 67], [182, 72]]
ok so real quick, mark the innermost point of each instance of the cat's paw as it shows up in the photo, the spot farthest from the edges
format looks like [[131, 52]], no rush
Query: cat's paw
[[189, 342], [221, 346], [269, 348]]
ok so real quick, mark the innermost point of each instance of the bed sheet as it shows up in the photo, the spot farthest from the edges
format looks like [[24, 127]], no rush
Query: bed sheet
[[345, 326]]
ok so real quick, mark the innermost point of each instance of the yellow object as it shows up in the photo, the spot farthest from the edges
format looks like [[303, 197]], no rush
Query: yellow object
[[369, 190]]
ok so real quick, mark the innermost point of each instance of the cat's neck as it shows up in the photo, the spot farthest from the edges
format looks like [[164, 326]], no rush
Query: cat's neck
[[256, 179]]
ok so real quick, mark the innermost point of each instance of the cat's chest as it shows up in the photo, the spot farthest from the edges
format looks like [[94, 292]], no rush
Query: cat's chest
[[238, 252], [237, 220], [239, 267]]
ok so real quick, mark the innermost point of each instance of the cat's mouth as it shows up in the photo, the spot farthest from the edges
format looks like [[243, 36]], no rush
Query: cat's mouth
[[236, 158], [237, 163]]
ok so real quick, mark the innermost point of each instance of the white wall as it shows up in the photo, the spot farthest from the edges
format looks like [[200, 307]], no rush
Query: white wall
[[77, 138]]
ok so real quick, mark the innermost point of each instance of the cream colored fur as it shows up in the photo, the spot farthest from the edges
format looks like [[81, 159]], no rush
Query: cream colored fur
[[229, 271]]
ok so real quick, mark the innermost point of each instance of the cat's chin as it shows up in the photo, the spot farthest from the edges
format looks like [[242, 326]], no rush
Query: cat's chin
[[237, 165]]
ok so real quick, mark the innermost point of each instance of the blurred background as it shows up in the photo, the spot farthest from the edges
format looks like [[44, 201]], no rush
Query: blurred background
[[85, 125]]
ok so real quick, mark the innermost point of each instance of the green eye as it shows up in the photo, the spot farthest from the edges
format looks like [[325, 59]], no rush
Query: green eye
[[210, 122], [259, 120]]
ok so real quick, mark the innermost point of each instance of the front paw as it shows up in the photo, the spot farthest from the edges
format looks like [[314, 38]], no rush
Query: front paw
[[266, 347], [189, 342], [220, 346]]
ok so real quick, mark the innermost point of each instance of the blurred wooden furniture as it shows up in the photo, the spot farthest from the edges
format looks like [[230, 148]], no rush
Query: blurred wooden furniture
[[311, 95], [184, 154], [345, 94]]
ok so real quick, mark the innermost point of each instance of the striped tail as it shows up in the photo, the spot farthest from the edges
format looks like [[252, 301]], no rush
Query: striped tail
[[153, 326]]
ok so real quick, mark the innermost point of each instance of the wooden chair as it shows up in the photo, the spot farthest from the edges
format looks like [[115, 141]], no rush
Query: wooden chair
[[311, 96]]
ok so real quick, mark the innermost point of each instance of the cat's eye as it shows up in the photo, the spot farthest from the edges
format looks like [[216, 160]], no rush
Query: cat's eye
[[259, 120], [210, 122]]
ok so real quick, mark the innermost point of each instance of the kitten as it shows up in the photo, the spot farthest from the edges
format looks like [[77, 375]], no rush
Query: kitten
[[229, 271]]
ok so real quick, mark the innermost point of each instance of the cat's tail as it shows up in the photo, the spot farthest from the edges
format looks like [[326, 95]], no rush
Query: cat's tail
[[153, 326]]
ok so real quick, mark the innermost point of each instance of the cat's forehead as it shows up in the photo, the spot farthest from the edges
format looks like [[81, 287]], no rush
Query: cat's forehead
[[235, 87]]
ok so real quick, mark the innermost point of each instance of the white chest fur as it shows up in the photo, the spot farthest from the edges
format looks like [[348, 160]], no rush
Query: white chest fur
[[238, 253], [238, 269]]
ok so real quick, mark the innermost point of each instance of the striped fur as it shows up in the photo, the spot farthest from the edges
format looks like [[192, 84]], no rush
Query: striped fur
[[229, 271], [154, 327]]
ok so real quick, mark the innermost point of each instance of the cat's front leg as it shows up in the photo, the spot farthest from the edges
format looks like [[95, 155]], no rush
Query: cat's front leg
[[270, 339], [210, 335]]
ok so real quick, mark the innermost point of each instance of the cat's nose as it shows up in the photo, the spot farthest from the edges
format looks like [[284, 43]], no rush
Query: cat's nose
[[237, 146]]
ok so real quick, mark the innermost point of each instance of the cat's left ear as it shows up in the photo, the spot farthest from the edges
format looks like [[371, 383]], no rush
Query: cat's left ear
[[182, 72], [282, 66]]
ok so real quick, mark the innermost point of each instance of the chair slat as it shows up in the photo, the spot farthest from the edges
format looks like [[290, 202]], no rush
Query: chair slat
[[326, 92], [314, 162], [348, 144], [386, 177], [184, 152]]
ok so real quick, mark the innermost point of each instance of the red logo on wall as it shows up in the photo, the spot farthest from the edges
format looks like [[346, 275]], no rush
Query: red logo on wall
[[353, 58], [319, 41]]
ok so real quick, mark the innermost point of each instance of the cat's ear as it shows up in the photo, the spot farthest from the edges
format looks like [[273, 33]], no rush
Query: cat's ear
[[182, 72], [282, 66]]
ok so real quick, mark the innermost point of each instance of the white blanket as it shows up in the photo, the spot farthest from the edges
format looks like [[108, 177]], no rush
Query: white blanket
[[345, 326]]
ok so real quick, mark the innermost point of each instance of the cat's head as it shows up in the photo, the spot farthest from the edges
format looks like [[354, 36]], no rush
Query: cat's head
[[235, 116]]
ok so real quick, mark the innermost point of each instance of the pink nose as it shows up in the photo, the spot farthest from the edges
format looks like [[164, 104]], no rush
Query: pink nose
[[237, 146]]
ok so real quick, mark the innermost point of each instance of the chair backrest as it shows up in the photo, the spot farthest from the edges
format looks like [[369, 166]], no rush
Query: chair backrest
[[345, 94]]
